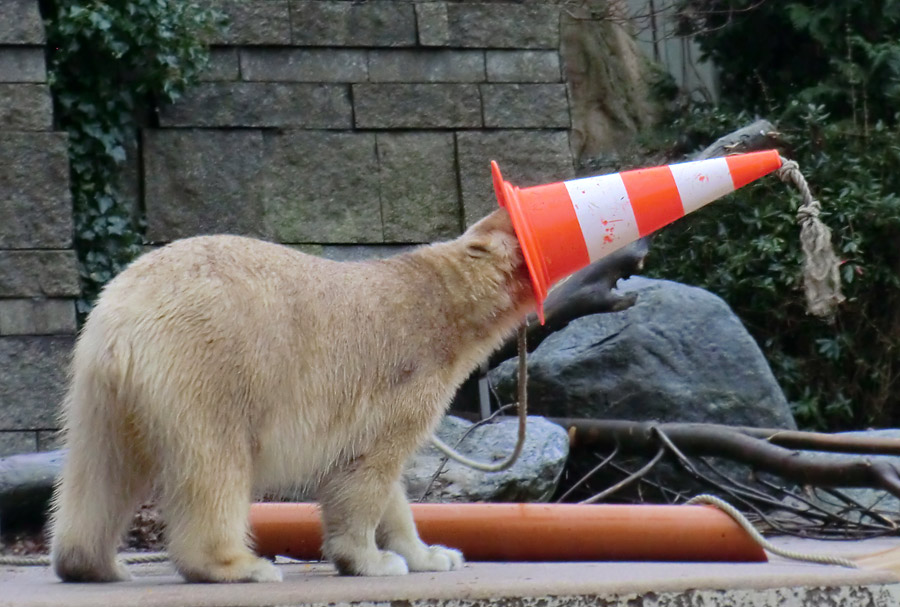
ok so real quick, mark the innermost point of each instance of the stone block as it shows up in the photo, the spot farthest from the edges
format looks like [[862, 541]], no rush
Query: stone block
[[224, 66], [503, 25], [33, 374], [262, 104], [419, 192], [39, 274], [341, 23], [421, 65], [526, 158], [433, 25], [321, 187], [254, 22], [20, 22], [518, 106], [202, 182], [49, 440], [14, 443], [397, 106], [25, 107], [35, 202], [303, 65], [130, 182], [523, 66], [37, 317], [22, 64]]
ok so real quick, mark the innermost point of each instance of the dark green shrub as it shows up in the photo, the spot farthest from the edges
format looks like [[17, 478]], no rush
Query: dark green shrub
[[111, 63], [828, 75]]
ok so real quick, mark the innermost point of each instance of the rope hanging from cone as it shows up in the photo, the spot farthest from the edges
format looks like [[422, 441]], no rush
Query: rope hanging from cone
[[821, 275]]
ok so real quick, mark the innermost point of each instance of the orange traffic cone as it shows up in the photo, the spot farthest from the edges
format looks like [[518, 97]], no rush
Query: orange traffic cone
[[564, 226]]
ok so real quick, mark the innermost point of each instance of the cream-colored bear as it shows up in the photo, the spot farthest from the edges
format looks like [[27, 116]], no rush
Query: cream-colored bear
[[218, 366]]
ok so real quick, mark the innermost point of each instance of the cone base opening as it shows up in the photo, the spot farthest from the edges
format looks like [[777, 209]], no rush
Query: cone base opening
[[507, 198]]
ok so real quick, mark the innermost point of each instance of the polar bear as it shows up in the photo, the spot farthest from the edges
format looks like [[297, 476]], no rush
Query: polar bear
[[219, 366]]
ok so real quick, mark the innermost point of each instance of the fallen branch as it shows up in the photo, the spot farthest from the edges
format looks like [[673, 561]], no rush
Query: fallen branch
[[588, 432], [733, 444]]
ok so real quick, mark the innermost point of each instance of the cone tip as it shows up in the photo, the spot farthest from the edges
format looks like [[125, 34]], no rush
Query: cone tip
[[749, 167]]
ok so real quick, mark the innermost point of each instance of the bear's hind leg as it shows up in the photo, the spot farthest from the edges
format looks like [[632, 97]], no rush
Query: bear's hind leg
[[100, 486], [206, 502]]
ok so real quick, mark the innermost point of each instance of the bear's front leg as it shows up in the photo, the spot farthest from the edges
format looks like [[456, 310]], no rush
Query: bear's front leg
[[353, 499], [397, 532]]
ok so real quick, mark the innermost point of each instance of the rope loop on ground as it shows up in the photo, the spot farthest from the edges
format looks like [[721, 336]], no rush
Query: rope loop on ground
[[740, 519], [42, 561]]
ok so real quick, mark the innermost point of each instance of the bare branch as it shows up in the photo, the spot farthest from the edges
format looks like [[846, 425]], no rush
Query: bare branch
[[627, 481], [722, 441]]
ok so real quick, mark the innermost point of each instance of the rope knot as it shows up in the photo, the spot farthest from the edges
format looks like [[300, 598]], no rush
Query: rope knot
[[809, 212]]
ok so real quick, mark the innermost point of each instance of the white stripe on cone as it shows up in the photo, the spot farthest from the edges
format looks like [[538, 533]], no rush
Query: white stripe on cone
[[604, 213], [701, 181]]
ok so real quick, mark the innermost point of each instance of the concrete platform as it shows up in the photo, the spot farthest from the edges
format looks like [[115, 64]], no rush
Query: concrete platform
[[779, 582]]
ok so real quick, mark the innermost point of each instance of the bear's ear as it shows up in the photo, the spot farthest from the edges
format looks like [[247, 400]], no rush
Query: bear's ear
[[496, 223], [489, 235], [479, 248]]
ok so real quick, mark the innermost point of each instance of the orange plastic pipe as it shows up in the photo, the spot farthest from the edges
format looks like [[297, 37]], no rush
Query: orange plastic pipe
[[535, 532]]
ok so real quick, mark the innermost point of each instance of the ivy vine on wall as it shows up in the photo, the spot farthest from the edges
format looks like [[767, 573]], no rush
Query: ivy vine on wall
[[111, 63]]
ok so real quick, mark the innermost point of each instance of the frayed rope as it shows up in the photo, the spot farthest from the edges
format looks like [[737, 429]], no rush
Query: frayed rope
[[821, 274]]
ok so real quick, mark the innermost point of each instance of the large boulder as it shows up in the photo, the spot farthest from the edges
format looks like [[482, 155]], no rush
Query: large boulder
[[533, 478], [679, 354]]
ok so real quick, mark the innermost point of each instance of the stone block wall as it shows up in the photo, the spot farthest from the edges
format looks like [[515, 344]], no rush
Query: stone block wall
[[38, 271], [354, 128], [349, 129]]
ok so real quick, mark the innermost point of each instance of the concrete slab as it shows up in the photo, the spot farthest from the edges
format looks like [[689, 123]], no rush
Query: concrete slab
[[779, 582]]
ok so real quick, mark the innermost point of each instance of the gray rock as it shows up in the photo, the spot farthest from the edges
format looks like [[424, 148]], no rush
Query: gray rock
[[416, 106], [202, 182], [525, 106], [32, 380], [419, 191], [254, 22], [26, 484], [261, 104], [523, 66], [526, 158], [337, 23], [322, 187], [22, 64], [533, 478], [679, 354], [304, 65], [425, 65], [20, 22], [38, 274], [35, 201]]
